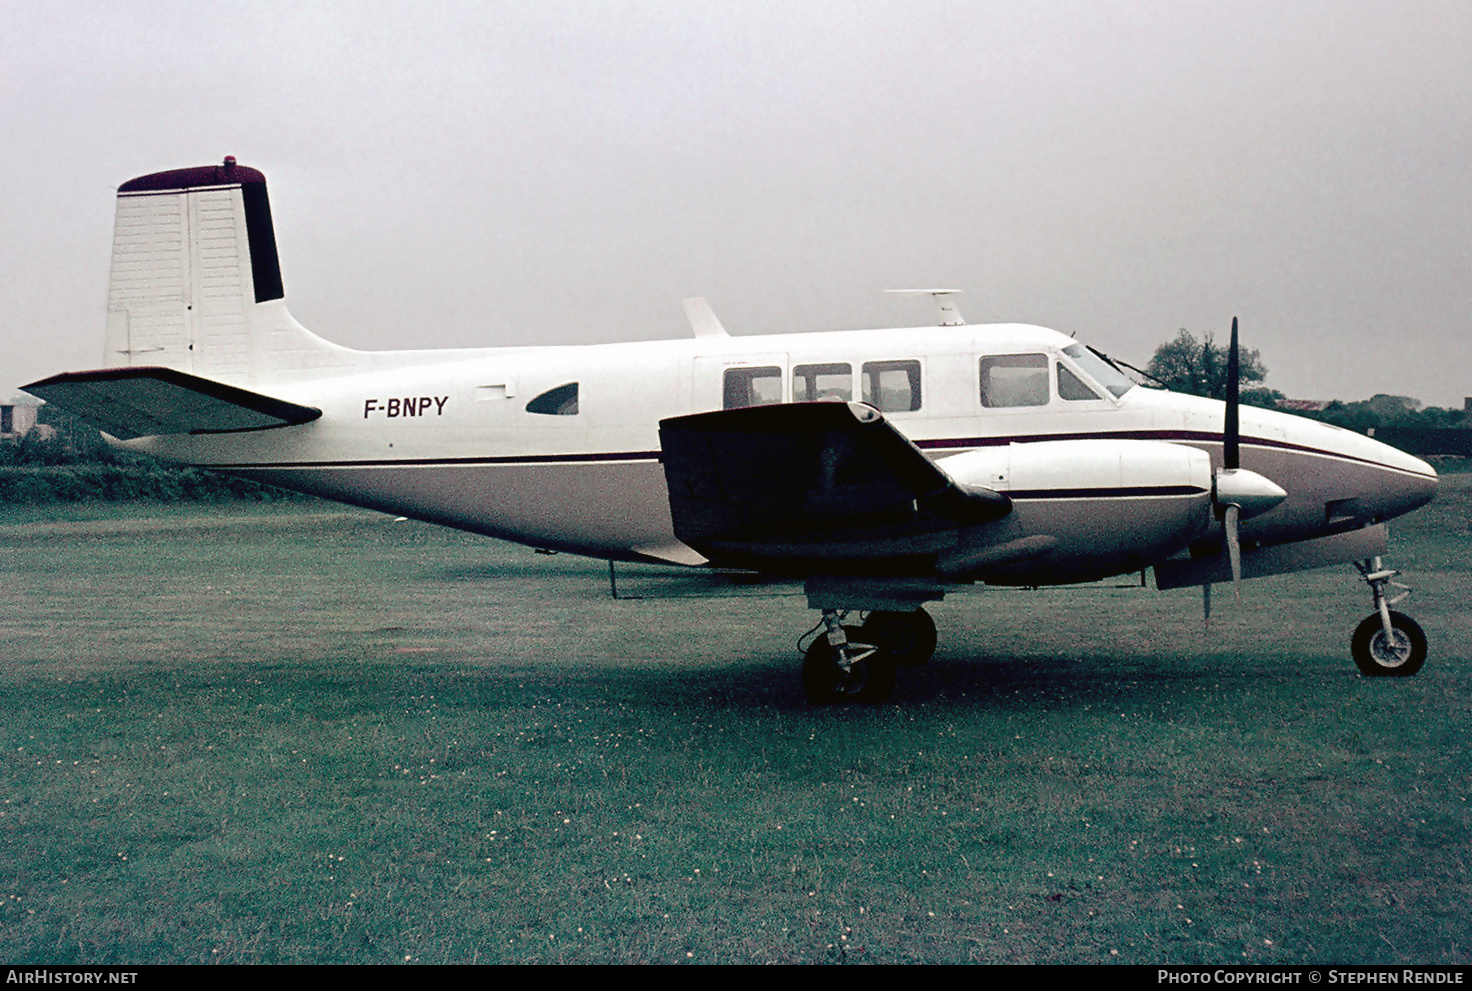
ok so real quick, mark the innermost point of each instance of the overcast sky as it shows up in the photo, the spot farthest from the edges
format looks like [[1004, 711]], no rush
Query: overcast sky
[[550, 172]]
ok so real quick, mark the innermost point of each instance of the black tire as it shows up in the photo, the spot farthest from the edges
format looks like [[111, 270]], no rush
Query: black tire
[[870, 678], [1376, 658], [907, 638]]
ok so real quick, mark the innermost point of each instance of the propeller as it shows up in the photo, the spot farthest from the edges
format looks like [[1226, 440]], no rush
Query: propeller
[[1232, 458], [1237, 492], [1232, 430]]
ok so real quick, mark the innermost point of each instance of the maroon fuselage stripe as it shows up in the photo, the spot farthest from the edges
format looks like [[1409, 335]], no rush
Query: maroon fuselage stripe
[[1121, 492], [939, 444], [524, 459]]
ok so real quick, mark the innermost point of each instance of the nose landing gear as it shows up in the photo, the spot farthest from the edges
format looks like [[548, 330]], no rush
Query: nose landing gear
[[1387, 643]]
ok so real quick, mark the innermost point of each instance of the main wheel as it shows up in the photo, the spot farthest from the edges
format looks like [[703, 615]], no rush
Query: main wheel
[[1398, 656], [908, 638], [870, 677]]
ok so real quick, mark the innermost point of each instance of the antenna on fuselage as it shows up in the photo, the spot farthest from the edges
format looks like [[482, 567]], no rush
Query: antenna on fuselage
[[949, 315]]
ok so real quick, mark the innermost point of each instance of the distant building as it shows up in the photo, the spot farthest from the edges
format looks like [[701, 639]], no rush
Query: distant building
[[18, 417], [1304, 405], [1427, 441]]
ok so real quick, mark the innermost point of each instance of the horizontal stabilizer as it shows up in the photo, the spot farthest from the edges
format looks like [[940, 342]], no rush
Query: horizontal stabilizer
[[141, 402], [776, 486]]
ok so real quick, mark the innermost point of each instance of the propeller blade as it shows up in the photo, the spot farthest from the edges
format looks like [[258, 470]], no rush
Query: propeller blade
[[1234, 545], [1206, 605], [1232, 434]]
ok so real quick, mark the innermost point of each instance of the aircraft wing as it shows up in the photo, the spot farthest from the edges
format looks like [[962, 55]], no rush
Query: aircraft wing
[[143, 401], [811, 486]]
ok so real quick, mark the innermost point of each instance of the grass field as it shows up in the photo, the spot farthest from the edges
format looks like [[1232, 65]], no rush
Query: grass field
[[301, 734]]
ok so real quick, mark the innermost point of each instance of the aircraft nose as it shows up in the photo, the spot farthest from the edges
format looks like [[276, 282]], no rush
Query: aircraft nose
[[1405, 483], [1408, 492]]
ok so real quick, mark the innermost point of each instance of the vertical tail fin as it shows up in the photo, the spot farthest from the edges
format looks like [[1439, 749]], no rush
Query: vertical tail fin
[[196, 284]]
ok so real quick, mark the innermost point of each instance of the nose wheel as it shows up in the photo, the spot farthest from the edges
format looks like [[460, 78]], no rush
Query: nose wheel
[[1387, 643], [1396, 654]]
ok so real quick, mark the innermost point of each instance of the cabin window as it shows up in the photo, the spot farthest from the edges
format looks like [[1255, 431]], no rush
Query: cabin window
[[561, 401], [1014, 380], [1071, 387], [891, 386], [812, 383], [752, 387]]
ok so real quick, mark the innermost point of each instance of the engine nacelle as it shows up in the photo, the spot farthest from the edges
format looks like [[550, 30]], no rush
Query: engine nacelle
[[1081, 509]]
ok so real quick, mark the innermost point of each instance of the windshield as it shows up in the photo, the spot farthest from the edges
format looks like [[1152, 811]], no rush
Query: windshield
[[1100, 370]]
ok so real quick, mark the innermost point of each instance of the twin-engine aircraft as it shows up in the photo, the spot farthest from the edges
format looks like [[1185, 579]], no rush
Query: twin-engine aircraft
[[880, 467]]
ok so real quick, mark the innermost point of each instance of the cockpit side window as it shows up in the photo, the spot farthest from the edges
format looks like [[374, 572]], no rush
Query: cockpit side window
[[810, 383], [892, 386], [1099, 370], [561, 401], [1009, 380], [761, 386], [1071, 387]]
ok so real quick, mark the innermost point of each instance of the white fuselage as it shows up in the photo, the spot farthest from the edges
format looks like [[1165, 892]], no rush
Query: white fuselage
[[447, 436]]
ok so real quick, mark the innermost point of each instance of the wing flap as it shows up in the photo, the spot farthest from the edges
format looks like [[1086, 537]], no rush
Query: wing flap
[[804, 485], [144, 401]]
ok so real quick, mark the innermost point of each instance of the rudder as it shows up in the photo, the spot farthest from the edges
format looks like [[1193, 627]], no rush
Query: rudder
[[196, 283]]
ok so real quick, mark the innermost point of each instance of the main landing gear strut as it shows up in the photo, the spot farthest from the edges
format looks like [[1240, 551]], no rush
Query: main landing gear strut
[[857, 663], [1387, 643]]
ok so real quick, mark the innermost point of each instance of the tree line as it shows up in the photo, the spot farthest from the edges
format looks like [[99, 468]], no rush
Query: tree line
[[1199, 368], [65, 460]]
